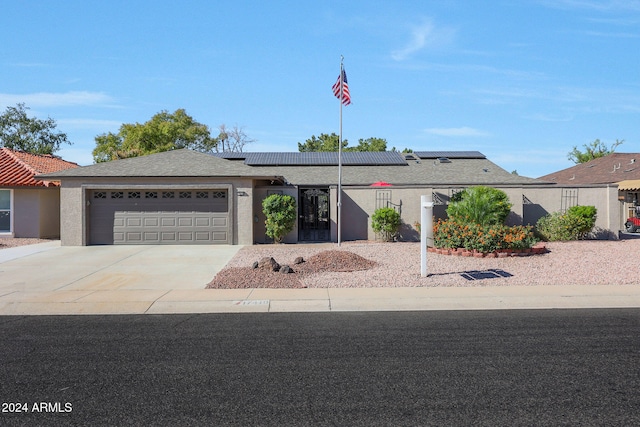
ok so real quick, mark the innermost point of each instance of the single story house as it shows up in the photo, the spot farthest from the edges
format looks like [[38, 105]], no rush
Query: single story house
[[188, 197], [29, 207], [619, 170]]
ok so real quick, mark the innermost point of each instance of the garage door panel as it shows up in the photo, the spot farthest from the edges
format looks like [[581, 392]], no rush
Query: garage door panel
[[203, 235], [219, 236], [133, 236], [186, 236], [220, 222], [185, 222], [168, 236], [133, 222], [202, 222], [168, 221], [151, 236], [151, 221], [157, 217]]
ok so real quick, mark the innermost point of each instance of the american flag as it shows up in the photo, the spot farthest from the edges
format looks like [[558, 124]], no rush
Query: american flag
[[346, 98]]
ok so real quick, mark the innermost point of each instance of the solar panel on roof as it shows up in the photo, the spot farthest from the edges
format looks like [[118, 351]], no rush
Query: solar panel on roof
[[325, 159], [450, 154]]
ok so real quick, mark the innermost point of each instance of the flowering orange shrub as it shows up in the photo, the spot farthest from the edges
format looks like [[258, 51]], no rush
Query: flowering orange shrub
[[452, 234]]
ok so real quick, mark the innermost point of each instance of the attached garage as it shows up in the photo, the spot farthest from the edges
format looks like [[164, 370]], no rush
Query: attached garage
[[152, 216]]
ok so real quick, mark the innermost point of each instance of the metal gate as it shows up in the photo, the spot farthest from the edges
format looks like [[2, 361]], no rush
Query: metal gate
[[314, 215]]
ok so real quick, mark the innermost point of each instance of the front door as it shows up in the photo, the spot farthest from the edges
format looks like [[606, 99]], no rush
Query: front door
[[314, 215]]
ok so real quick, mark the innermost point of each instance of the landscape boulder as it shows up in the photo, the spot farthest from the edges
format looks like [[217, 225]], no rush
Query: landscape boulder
[[286, 269], [268, 263]]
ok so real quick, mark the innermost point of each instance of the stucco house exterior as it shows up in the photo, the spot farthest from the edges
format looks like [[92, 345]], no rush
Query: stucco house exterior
[[188, 197], [619, 172], [29, 208]]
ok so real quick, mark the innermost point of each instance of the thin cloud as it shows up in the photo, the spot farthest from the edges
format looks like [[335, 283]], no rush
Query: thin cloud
[[462, 131], [423, 36], [48, 99]]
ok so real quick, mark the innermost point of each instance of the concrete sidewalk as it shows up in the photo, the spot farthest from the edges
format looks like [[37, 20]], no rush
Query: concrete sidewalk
[[49, 279]]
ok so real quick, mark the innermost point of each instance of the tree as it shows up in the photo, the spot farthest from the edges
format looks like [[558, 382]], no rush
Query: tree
[[329, 142], [592, 151], [281, 215], [163, 132], [233, 139], [23, 133], [480, 205], [324, 142], [370, 144]]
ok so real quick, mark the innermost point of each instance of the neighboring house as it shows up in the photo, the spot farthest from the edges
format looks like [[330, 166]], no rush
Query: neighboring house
[[188, 197], [620, 171], [29, 207]]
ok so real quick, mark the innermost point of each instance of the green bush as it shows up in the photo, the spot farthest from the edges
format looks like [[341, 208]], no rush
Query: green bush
[[585, 217], [575, 224], [480, 205], [281, 214], [386, 222]]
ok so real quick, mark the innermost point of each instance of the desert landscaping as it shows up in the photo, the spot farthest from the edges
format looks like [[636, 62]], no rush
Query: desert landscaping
[[366, 264]]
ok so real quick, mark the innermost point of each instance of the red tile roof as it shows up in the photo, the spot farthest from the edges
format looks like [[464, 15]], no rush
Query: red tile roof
[[609, 169], [17, 168]]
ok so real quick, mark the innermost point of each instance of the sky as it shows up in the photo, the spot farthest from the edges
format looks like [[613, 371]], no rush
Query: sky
[[521, 81]]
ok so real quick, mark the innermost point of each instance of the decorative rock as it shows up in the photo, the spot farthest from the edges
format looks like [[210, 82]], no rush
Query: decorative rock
[[298, 260], [286, 269], [268, 263]]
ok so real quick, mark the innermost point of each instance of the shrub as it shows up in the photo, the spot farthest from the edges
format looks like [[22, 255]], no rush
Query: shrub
[[281, 214], [386, 222], [452, 234], [480, 205], [575, 224], [585, 217]]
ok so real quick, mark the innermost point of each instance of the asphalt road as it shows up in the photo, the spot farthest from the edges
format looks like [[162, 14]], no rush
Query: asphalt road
[[546, 367]]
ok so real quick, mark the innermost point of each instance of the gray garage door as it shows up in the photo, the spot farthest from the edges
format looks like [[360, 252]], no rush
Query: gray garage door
[[149, 217]]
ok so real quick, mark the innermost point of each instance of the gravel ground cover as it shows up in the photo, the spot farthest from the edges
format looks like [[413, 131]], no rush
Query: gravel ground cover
[[591, 262]]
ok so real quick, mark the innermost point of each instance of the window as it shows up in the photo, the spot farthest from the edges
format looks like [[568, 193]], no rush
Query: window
[[5, 211]]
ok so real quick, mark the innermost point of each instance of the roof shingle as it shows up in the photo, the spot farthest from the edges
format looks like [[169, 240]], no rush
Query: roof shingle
[[609, 169]]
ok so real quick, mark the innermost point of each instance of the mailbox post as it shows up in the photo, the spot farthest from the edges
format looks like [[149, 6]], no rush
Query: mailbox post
[[426, 225]]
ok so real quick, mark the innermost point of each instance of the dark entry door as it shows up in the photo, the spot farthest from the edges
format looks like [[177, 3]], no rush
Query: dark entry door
[[314, 215]]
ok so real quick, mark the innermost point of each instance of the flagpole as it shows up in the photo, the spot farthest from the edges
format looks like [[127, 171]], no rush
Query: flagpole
[[340, 154]]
